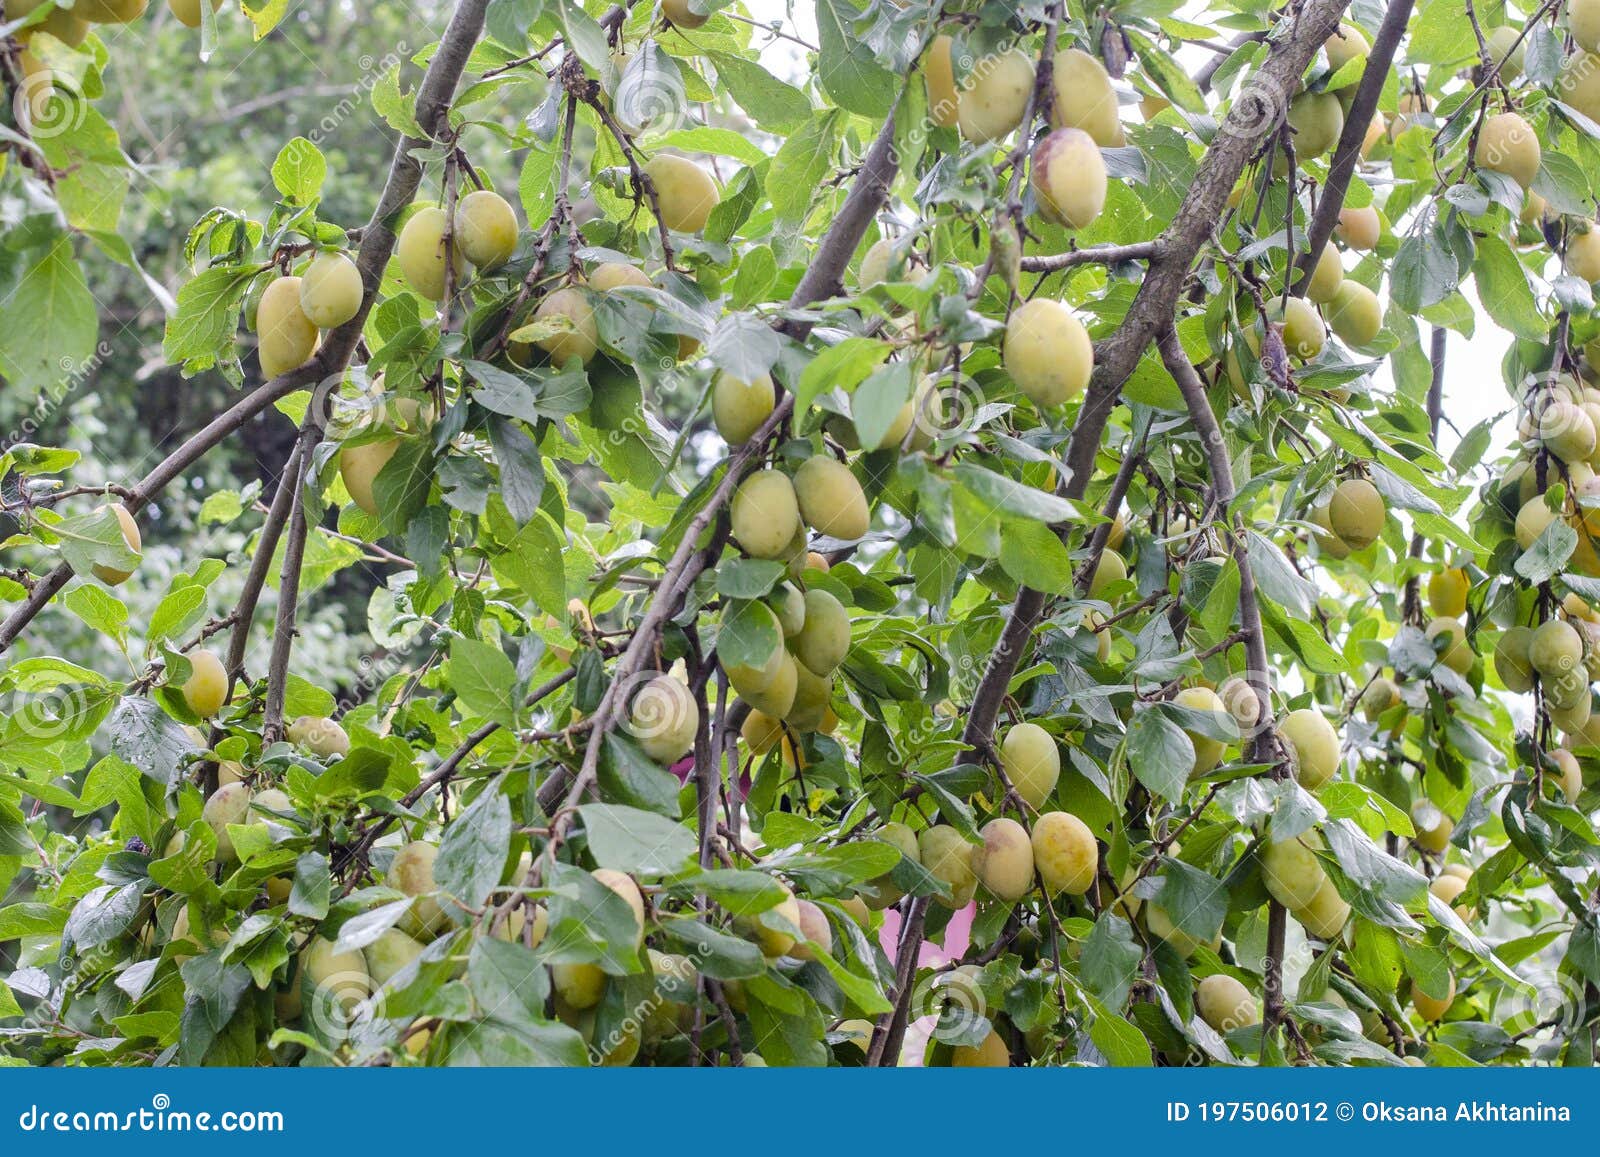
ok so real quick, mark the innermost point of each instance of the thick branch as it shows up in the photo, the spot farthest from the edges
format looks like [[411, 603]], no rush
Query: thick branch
[[1347, 152]]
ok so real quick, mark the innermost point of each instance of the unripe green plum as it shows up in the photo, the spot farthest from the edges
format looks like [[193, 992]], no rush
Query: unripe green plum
[[830, 499], [938, 75], [609, 275], [813, 695], [1064, 853], [1355, 314], [1447, 592], [321, 736], [1162, 927], [1359, 228], [1431, 1008], [814, 930], [286, 336], [578, 335], [1110, 570], [1457, 653], [188, 13], [339, 977], [1583, 249], [1506, 48], [359, 467], [1507, 144], [774, 942], [1318, 120], [1511, 660], [1303, 333], [1083, 97], [227, 805], [824, 639], [421, 252], [948, 857], [623, 885], [1533, 519], [1583, 21], [881, 892], [1290, 870], [770, 690], [992, 1053], [685, 192], [1003, 863], [1578, 83], [330, 290], [995, 95], [1346, 44], [1357, 513], [1570, 779], [578, 986], [1207, 751], [1032, 763], [765, 514], [1328, 542], [790, 606], [1555, 650], [387, 955], [681, 15], [66, 25], [1069, 178], [110, 11], [663, 719], [1327, 276], [411, 873], [1224, 1003], [1567, 431], [1313, 746], [1381, 695], [1327, 913], [486, 228], [1047, 352], [739, 408], [206, 689], [114, 576], [1433, 827]]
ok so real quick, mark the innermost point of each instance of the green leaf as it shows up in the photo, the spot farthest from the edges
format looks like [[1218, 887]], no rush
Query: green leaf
[[803, 162], [473, 851], [1160, 754], [398, 109], [48, 325], [1504, 290], [1031, 553], [772, 104], [634, 841], [846, 68], [484, 680], [843, 366], [299, 171], [208, 314]]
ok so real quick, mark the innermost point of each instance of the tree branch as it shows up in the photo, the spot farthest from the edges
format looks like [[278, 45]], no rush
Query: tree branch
[[1347, 152]]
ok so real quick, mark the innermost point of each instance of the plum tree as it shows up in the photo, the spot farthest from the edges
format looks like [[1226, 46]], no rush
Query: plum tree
[[954, 468]]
